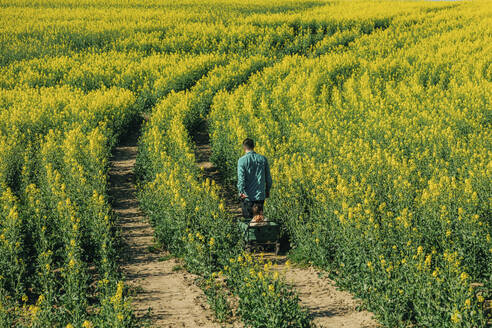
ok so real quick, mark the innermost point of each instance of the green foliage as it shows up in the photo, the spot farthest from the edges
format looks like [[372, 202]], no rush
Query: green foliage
[[59, 222], [190, 219], [375, 116], [381, 161]]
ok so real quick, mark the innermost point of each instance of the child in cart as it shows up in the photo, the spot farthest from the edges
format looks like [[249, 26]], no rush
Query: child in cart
[[258, 216]]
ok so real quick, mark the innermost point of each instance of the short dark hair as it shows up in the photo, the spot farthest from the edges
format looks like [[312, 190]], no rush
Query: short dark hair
[[249, 143]]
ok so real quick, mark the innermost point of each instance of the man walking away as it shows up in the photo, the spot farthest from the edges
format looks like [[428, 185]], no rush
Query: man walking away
[[253, 179]]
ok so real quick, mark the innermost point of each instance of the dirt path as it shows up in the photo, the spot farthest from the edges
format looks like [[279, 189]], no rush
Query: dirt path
[[329, 306], [165, 295]]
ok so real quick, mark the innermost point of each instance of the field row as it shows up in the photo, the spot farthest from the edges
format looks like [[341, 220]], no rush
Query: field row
[[381, 157], [376, 118], [190, 219], [56, 226], [58, 263]]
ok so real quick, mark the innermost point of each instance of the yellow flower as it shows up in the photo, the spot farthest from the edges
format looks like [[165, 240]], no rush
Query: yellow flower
[[119, 293], [34, 310], [464, 276], [87, 324], [428, 260], [456, 317], [69, 326], [40, 299], [420, 249], [467, 302], [271, 288]]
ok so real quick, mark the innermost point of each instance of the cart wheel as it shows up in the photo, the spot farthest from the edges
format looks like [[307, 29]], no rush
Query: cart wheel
[[277, 248]]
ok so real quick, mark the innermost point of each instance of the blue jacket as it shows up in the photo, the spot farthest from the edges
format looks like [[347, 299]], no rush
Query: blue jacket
[[253, 176]]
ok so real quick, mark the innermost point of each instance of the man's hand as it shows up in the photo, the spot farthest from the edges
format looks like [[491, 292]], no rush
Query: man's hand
[[243, 196]]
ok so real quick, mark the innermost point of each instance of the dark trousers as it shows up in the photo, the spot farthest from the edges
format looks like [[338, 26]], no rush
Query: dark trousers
[[247, 207]]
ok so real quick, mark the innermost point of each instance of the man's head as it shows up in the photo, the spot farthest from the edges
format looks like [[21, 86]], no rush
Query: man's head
[[248, 144]]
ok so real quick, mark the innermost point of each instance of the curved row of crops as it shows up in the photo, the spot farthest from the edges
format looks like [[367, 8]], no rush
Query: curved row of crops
[[189, 217], [65, 98], [56, 222], [377, 124], [59, 123], [381, 157], [271, 28]]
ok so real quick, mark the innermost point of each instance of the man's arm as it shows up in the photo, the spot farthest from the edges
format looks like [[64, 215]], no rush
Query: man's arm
[[268, 177], [241, 177]]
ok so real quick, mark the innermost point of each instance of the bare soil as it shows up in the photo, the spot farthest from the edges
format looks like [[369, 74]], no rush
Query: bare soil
[[165, 294], [329, 306]]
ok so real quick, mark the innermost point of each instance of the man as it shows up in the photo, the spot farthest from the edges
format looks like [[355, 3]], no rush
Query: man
[[253, 179]]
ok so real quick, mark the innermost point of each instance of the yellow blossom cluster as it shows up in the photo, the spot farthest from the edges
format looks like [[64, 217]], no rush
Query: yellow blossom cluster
[[381, 155]]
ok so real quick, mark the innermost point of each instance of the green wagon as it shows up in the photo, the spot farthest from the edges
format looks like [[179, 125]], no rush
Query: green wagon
[[259, 237]]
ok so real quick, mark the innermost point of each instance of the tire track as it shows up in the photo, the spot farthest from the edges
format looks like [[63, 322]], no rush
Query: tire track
[[165, 294], [329, 306]]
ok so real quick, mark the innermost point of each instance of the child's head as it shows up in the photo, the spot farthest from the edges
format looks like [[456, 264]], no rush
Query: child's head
[[257, 210]]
